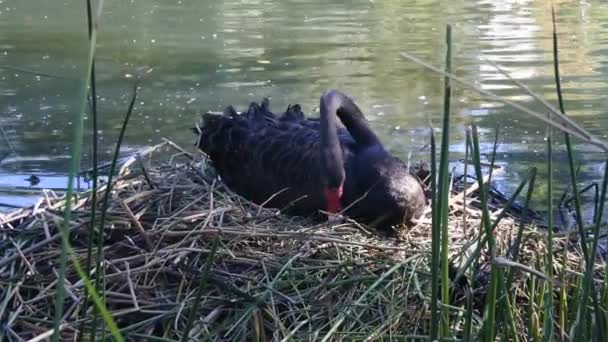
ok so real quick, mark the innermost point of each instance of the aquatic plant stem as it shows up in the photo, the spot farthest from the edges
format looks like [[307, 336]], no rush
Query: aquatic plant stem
[[560, 99], [95, 149], [435, 242], [91, 233], [104, 208], [445, 189], [474, 257], [199, 290], [507, 308], [514, 249], [490, 306], [493, 156], [600, 321], [74, 168], [579, 329], [604, 296], [548, 315], [464, 190]]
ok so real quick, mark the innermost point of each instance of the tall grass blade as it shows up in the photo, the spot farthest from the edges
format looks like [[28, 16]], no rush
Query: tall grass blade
[[106, 198], [541, 296], [564, 124], [435, 242], [604, 297], [444, 189], [360, 301], [588, 276], [97, 300], [532, 325], [468, 319], [528, 179], [508, 312], [563, 298], [74, 168], [95, 148], [552, 110], [513, 251], [93, 101], [493, 157], [548, 308], [199, 290], [579, 327], [600, 327], [560, 99], [489, 323], [467, 143]]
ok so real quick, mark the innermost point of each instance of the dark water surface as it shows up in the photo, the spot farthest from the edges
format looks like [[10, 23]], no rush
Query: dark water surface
[[208, 54]]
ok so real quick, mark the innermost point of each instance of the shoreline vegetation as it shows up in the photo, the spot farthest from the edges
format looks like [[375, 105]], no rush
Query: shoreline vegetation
[[175, 237], [163, 251]]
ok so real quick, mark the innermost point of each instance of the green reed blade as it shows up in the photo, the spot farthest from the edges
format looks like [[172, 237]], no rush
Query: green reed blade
[[467, 143], [199, 291], [513, 251], [74, 168], [532, 326], [579, 325], [93, 102], [91, 291], [563, 298], [564, 124], [490, 306], [435, 242], [444, 189], [548, 308], [528, 179], [106, 198], [600, 327], [508, 310], [588, 276], [604, 297], [468, 320], [493, 156], [560, 99]]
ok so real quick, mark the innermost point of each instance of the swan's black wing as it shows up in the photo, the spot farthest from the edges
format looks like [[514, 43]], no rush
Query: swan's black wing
[[258, 156]]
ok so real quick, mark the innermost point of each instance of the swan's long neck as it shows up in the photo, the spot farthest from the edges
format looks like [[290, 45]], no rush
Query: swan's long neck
[[353, 119], [336, 104], [332, 162]]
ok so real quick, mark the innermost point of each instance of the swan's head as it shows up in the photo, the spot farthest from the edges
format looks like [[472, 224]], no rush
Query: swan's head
[[393, 195], [332, 174]]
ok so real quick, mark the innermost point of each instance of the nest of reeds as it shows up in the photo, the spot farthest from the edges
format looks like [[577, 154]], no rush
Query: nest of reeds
[[178, 244]]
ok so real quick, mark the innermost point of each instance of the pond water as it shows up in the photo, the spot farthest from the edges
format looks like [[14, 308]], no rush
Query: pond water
[[206, 55]]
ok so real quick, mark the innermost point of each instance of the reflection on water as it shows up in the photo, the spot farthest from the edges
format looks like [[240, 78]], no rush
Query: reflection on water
[[206, 55]]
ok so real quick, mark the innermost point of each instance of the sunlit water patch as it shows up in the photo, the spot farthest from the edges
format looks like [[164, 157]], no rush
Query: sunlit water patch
[[207, 55]]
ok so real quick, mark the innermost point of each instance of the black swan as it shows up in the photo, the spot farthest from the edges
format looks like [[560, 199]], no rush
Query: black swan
[[304, 165]]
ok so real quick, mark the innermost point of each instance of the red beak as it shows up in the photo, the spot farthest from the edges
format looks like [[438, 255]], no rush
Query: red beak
[[332, 199]]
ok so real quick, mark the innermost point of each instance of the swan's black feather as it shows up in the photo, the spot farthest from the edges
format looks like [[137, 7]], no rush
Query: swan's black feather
[[276, 159]]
